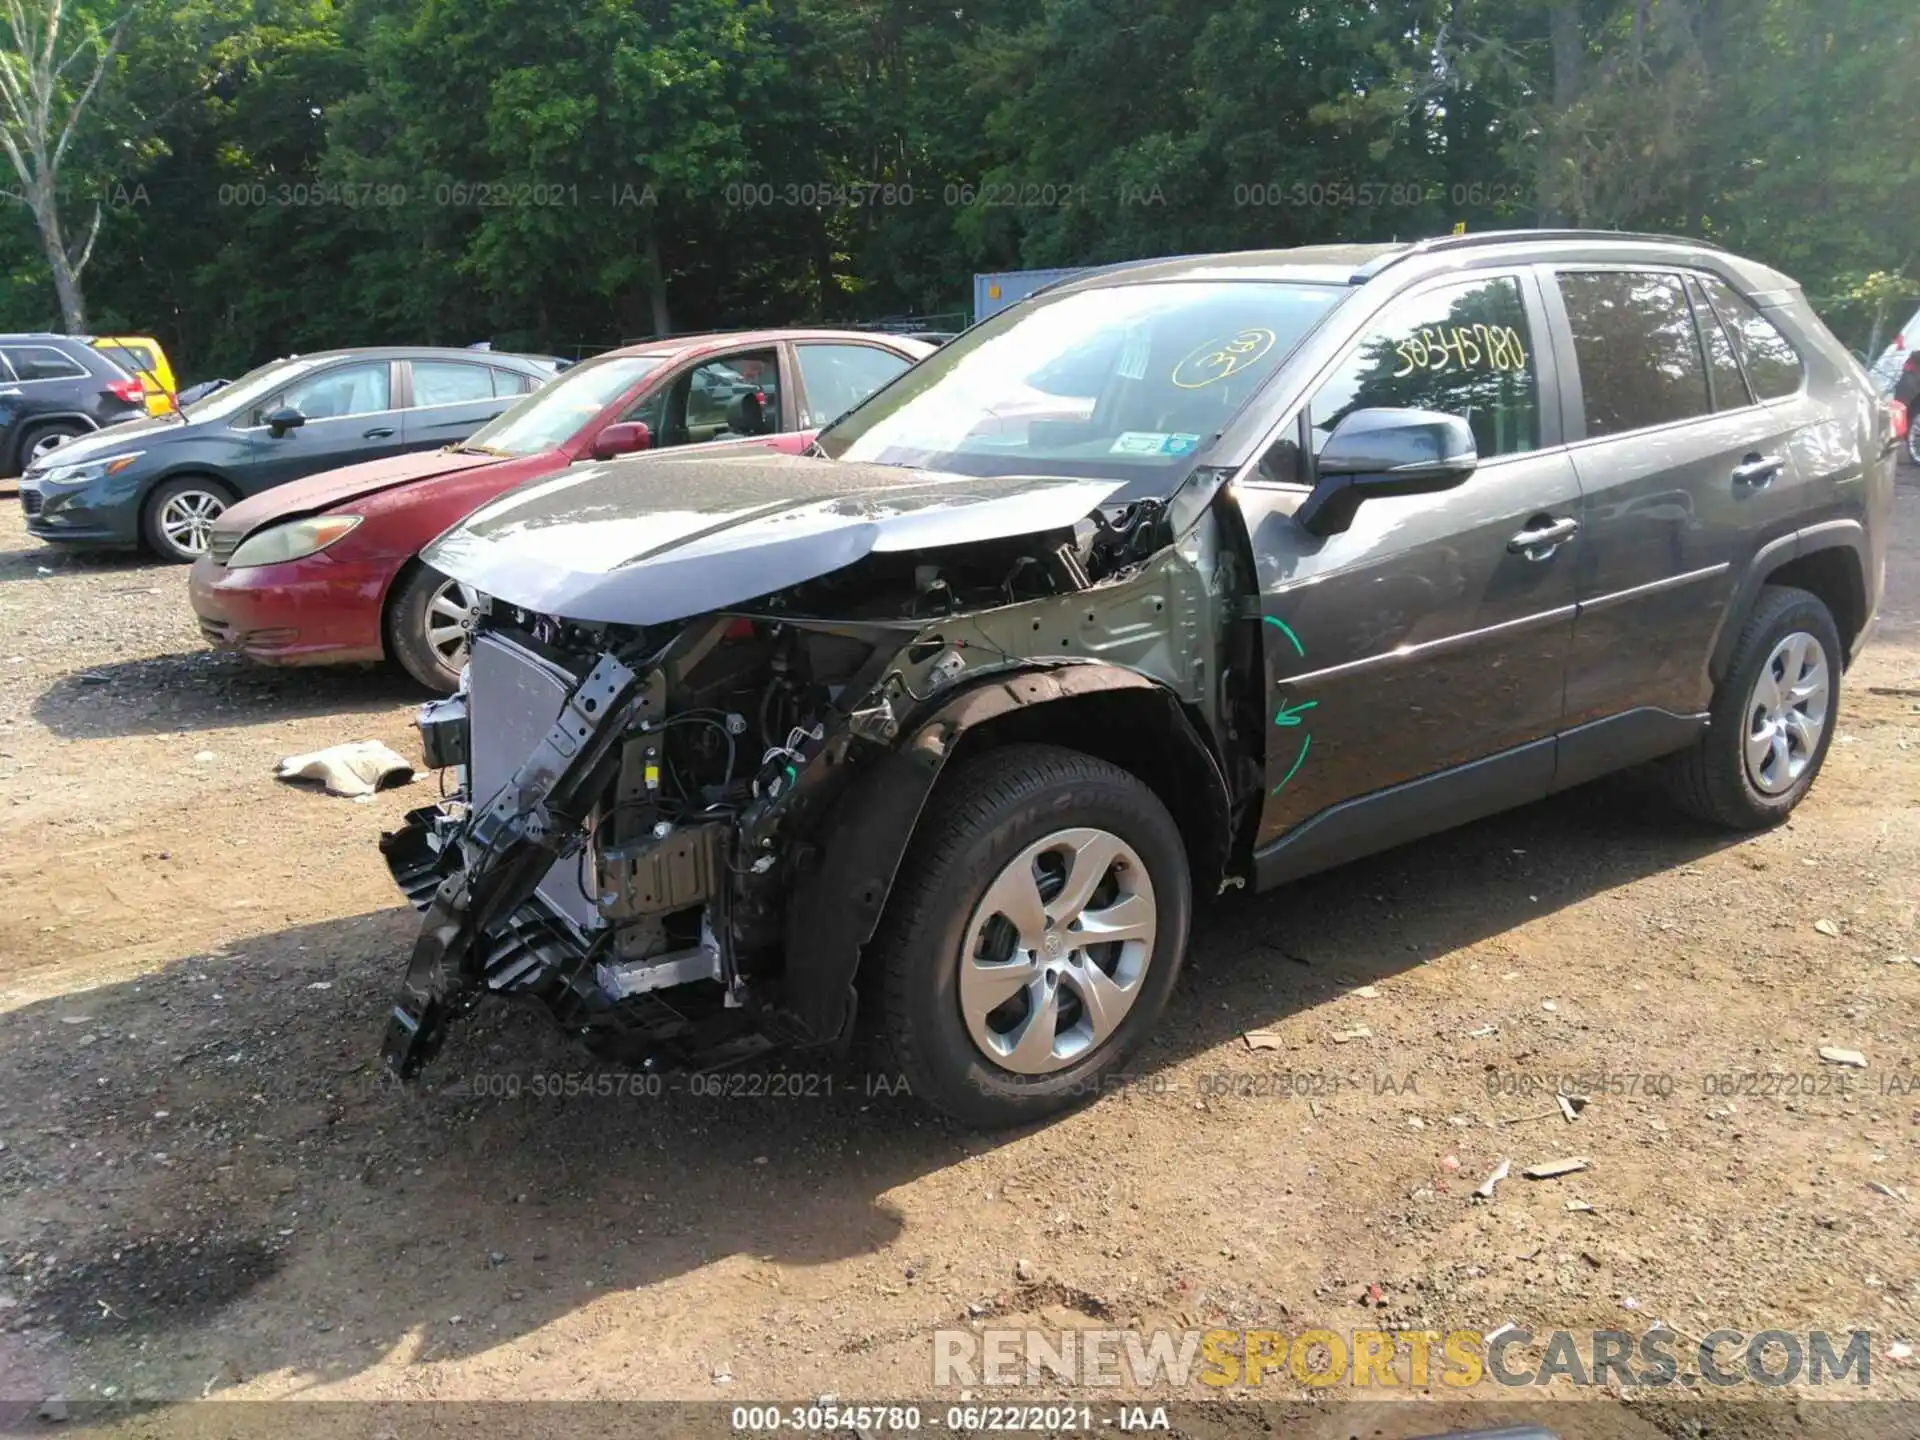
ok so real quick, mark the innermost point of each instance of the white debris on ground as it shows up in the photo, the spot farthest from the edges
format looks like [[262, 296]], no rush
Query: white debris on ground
[[359, 767]]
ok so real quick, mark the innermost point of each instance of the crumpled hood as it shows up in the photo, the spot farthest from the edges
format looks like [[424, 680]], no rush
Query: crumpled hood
[[662, 537], [329, 488]]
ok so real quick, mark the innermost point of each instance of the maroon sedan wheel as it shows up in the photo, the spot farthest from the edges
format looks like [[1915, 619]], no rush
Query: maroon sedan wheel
[[432, 622]]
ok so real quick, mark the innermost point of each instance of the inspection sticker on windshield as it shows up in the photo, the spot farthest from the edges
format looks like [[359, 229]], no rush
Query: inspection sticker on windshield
[[1154, 442]]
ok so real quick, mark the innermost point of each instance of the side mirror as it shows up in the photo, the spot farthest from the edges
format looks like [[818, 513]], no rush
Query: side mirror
[[621, 439], [1381, 452], [286, 418]]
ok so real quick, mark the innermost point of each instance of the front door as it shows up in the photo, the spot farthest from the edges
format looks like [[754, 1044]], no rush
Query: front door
[[350, 416], [1433, 634]]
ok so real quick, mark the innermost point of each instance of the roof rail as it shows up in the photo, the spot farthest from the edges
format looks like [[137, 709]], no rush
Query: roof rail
[[1436, 244]]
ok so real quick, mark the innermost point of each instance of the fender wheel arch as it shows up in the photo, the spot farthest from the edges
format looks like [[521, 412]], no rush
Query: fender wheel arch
[[1827, 560], [838, 905]]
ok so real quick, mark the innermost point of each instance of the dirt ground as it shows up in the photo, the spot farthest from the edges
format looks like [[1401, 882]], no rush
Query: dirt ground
[[209, 1188]]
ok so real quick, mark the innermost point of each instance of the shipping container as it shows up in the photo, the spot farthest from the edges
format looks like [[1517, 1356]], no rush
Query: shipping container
[[996, 290]]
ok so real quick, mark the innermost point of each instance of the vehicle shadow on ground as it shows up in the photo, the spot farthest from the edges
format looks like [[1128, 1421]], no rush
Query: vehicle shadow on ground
[[207, 690], [263, 1198], [42, 562]]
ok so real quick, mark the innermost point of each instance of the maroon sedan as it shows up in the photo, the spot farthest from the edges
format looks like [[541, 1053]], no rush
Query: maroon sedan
[[327, 569]]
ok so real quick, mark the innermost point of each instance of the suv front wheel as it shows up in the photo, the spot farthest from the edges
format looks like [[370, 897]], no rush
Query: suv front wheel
[[1772, 718], [1035, 933]]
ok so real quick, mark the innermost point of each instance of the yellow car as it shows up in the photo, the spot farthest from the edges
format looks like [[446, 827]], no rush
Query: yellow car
[[142, 357]]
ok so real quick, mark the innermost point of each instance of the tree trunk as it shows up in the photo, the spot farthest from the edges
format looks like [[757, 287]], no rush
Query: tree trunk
[[1558, 162], [657, 286], [66, 280]]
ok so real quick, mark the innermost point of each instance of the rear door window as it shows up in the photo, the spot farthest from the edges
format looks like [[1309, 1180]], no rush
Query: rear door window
[[1770, 360], [42, 362], [839, 377], [1639, 354], [511, 382], [450, 382]]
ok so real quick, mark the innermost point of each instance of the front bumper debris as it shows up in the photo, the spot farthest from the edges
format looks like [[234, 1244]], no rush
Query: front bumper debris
[[507, 843]]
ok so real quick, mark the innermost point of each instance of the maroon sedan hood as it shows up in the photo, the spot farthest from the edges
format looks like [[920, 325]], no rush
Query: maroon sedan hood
[[335, 487]]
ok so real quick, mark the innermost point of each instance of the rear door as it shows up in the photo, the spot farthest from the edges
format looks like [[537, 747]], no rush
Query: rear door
[[351, 415], [1682, 474], [450, 399], [1429, 636]]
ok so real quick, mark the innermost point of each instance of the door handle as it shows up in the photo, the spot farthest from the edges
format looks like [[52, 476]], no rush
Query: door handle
[[1758, 469], [1541, 543], [378, 432]]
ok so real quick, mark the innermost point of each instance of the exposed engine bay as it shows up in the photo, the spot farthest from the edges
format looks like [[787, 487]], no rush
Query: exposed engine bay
[[649, 827]]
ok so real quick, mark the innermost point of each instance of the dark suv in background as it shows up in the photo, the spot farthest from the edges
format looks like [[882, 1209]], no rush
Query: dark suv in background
[[1179, 576], [52, 388]]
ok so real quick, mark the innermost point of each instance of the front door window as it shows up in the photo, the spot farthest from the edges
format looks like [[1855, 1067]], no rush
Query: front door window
[[348, 390], [720, 399]]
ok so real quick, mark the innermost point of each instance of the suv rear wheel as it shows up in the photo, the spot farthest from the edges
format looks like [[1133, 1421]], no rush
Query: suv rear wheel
[[43, 440], [1772, 717], [1034, 935]]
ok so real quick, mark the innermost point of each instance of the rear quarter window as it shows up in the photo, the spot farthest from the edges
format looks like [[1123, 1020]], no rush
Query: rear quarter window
[[1773, 366]]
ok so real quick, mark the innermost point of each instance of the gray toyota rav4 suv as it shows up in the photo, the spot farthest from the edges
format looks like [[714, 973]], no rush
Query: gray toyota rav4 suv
[[1179, 576]]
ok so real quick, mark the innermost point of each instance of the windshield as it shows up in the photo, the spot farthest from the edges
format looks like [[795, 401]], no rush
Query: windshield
[[252, 386], [1126, 381], [554, 413]]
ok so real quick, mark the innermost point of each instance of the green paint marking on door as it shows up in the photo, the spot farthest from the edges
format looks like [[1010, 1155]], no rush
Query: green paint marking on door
[[1290, 714], [1298, 648], [1298, 760]]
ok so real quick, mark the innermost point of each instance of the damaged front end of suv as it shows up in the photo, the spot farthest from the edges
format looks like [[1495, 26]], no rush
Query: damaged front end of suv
[[678, 831], [941, 723]]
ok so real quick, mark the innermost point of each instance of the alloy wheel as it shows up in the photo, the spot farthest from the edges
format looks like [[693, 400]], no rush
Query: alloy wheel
[[1787, 712], [451, 612], [1056, 951], [46, 445], [186, 519]]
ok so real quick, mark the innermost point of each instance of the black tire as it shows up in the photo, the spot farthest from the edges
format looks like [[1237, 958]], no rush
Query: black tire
[[207, 495], [38, 435], [1913, 436], [1712, 780], [409, 642], [980, 819]]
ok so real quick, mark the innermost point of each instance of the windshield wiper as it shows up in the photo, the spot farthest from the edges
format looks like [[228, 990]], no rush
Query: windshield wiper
[[477, 450]]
